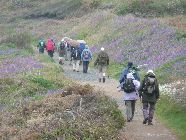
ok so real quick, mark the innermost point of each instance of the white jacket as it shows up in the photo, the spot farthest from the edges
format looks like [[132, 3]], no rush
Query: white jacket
[[134, 95]]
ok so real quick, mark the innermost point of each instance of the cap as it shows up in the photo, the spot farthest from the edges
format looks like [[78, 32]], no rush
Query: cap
[[102, 49], [150, 71]]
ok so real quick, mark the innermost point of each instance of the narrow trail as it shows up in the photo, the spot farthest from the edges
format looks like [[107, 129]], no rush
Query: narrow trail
[[134, 130]]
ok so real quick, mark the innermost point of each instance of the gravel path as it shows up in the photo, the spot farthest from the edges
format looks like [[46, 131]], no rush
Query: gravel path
[[134, 130]]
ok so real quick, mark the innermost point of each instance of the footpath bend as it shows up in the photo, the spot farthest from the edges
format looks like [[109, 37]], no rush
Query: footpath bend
[[134, 130]]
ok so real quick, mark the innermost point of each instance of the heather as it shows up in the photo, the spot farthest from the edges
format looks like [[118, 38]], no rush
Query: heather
[[71, 115]]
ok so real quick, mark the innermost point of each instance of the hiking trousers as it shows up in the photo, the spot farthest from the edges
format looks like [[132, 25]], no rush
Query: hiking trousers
[[148, 110], [130, 109], [75, 65], [85, 66], [51, 53], [102, 70]]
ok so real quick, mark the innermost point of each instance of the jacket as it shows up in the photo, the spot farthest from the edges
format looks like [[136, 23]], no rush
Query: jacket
[[133, 95], [89, 58], [50, 45], [146, 97], [102, 59]]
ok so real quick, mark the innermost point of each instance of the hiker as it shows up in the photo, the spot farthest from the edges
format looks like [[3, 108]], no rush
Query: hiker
[[41, 46], [67, 51], [82, 44], [50, 47], [130, 87], [102, 62], [130, 69], [61, 51], [76, 57], [149, 92], [86, 56]]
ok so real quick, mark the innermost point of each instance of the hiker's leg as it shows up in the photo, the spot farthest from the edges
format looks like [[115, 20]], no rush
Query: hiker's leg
[[84, 67], [100, 72], [133, 102], [128, 110], [151, 111], [104, 73], [87, 63], [145, 112], [73, 65], [77, 65]]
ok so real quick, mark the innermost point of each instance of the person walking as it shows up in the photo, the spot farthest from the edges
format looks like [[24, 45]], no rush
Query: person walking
[[61, 51], [50, 47], [86, 57], [76, 57], [102, 61], [130, 69], [149, 92], [41, 46], [131, 87]]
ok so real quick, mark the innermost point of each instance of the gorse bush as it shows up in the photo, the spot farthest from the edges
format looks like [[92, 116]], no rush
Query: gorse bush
[[59, 10], [153, 7]]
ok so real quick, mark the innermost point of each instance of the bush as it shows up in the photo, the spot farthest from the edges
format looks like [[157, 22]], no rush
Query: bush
[[152, 8], [21, 40]]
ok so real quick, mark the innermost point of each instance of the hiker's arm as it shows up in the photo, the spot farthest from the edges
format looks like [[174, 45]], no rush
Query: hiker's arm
[[157, 90], [96, 62]]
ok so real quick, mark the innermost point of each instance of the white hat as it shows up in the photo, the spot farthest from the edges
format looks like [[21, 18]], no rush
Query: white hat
[[129, 75], [150, 71], [102, 49]]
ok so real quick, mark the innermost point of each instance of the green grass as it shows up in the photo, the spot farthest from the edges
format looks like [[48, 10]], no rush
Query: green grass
[[173, 115], [151, 8]]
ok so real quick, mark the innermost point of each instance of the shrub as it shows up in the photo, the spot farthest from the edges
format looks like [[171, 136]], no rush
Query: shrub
[[21, 40], [152, 8]]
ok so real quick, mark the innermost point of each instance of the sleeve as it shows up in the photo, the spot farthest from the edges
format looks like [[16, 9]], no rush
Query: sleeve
[[91, 55], [123, 75], [141, 88], [137, 84], [157, 90]]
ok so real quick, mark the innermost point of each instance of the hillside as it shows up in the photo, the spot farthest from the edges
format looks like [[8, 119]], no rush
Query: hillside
[[150, 32]]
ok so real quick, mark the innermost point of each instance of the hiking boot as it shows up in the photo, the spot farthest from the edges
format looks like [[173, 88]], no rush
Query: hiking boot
[[150, 123], [145, 121], [99, 79], [103, 80]]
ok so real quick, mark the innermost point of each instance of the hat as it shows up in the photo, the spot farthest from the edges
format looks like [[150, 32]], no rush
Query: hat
[[150, 71], [130, 64], [129, 75], [102, 49]]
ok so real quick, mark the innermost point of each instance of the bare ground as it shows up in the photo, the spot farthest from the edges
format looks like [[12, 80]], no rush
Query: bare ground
[[134, 130]]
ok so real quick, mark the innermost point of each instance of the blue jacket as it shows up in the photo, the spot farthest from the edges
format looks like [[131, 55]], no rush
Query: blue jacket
[[123, 75], [90, 55]]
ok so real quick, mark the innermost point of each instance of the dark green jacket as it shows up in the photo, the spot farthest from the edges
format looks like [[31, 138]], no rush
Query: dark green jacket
[[102, 59], [143, 92]]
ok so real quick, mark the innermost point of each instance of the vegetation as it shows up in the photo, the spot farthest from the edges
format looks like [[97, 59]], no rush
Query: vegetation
[[173, 115], [152, 8]]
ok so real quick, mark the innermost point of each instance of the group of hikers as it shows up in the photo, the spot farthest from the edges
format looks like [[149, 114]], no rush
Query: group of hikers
[[147, 90], [76, 53]]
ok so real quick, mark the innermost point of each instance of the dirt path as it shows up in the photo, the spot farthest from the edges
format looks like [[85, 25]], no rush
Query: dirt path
[[134, 130]]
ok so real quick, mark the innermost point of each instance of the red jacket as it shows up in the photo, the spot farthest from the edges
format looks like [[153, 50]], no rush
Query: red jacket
[[50, 45]]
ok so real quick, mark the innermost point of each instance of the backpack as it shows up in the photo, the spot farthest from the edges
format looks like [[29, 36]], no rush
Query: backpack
[[150, 85], [129, 86], [103, 58], [75, 53], [86, 55]]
